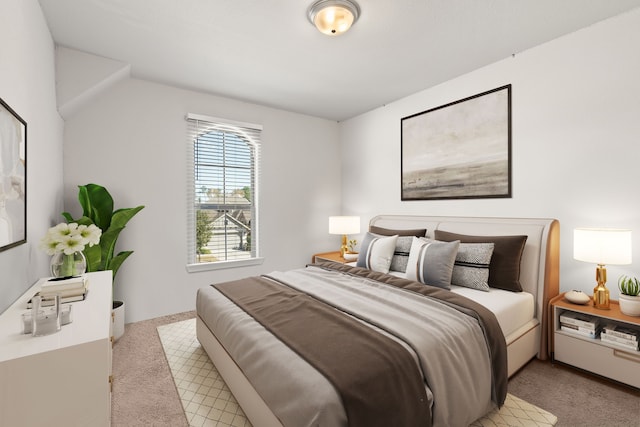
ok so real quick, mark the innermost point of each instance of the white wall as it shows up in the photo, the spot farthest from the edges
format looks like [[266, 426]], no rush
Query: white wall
[[27, 84], [131, 139], [575, 147]]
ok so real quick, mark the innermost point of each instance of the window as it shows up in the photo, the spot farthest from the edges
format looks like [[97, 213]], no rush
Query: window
[[224, 160]]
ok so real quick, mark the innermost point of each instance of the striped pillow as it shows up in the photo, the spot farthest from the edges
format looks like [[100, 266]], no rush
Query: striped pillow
[[403, 244], [504, 270], [431, 262], [471, 268], [401, 254], [376, 252]]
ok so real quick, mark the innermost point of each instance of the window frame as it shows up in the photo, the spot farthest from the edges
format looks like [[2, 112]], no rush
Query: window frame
[[250, 132]]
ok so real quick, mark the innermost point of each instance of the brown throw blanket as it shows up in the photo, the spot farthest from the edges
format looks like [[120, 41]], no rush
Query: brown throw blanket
[[493, 333], [397, 399], [376, 378]]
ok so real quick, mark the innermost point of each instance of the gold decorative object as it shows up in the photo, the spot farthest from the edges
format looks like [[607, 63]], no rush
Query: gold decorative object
[[602, 246], [344, 225]]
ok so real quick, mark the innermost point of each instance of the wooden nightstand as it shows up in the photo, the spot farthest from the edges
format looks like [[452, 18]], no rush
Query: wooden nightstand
[[591, 354], [329, 256]]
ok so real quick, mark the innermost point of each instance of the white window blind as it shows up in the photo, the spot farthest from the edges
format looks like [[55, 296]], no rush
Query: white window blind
[[223, 188]]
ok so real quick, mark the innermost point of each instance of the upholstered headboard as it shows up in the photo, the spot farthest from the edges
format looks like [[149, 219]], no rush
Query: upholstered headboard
[[540, 265]]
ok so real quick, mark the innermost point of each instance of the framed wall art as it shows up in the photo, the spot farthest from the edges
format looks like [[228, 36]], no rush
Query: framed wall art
[[461, 150], [13, 178]]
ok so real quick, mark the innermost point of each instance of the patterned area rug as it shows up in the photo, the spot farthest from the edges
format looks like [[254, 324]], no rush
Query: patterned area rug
[[208, 402]]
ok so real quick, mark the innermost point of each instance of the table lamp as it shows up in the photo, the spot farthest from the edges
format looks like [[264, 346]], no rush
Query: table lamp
[[344, 225], [602, 246]]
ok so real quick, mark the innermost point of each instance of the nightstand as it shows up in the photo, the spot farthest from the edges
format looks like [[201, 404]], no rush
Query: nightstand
[[329, 256], [592, 354]]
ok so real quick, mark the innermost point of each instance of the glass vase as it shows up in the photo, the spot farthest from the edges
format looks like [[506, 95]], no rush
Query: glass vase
[[63, 265]]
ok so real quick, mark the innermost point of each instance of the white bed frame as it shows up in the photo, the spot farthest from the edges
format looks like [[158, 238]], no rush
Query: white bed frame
[[539, 275]]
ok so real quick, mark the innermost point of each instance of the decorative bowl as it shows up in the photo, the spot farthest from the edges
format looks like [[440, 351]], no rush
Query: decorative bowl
[[350, 256], [577, 297]]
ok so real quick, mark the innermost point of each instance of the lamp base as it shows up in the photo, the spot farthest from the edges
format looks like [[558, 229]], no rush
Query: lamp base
[[344, 248], [600, 292], [601, 297]]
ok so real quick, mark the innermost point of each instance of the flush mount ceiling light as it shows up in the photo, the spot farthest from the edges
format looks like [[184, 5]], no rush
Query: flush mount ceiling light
[[333, 17]]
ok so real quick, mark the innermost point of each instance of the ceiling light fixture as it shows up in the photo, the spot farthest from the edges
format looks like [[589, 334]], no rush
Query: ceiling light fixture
[[333, 17]]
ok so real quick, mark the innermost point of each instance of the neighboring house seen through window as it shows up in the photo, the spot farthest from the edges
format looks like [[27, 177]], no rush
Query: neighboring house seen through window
[[223, 192]]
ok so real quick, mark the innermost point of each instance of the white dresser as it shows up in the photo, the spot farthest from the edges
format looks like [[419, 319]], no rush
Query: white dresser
[[63, 378]]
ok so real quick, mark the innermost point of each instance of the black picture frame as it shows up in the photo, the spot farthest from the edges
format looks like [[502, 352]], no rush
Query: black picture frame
[[460, 150], [13, 178]]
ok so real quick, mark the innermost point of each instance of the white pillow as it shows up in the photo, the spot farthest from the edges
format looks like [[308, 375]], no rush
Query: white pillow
[[431, 261], [376, 252]]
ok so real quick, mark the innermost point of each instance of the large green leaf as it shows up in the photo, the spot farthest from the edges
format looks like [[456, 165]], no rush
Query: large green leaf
[[121, 217], [93, 255], [108, 244], [117, 261], [97, 204]]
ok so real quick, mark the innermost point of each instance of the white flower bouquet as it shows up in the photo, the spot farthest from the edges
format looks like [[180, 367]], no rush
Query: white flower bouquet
[[64, 241]]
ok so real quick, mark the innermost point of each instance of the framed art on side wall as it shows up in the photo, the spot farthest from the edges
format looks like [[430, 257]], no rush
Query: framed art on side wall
[[13, 178], [461, 150]]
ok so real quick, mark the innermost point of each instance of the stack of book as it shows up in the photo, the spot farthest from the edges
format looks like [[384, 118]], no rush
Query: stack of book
[[622, 336], [580, 324], [69, 289]]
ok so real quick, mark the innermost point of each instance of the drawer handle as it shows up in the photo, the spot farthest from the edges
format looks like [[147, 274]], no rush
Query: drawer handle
[[628, 356]]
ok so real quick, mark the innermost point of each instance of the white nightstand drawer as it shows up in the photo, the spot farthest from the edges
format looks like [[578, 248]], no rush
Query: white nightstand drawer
[[620, 365]]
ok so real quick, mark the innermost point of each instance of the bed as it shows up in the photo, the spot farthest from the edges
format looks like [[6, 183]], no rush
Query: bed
[[277, 384]]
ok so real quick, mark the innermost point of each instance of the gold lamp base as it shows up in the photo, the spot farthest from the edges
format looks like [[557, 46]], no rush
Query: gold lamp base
[[600, 292], [601, 297], [344, 248]]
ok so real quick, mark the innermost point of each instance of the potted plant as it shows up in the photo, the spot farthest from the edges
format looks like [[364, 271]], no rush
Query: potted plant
[[97, 209], [629, 295], [351, 254]]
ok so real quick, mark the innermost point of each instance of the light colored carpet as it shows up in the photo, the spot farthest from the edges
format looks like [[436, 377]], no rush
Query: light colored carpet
[[205, 397], [144, 393], [208, 402], [143, 390]]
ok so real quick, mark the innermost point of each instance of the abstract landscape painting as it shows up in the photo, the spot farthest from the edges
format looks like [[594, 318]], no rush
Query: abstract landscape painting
[[459, 150]]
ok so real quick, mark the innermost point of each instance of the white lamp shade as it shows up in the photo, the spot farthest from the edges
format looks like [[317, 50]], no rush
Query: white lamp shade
[[602, 245], [344, 224]]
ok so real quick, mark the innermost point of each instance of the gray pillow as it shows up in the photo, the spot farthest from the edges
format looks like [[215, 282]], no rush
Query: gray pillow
[[431, 262], [403, 245], [401, 254], [504, 270], [471, 268], [376, 252]]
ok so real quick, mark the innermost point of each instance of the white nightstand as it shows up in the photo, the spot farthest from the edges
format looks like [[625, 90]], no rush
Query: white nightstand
[[593, 355]]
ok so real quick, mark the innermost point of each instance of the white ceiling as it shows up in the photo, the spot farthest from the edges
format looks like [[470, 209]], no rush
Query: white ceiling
[[266, 51]]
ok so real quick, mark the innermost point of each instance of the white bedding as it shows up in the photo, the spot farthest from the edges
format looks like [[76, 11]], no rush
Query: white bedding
[[512, 309]]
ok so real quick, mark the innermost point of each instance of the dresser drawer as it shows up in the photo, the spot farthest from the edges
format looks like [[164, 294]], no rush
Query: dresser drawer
[[620, 365]]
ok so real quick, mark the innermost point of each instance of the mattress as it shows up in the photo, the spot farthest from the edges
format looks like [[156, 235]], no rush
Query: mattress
[[512, 309]]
